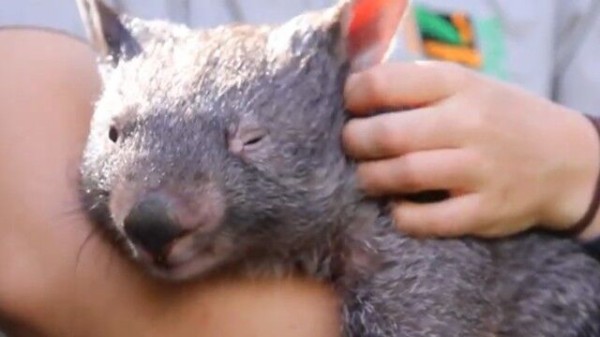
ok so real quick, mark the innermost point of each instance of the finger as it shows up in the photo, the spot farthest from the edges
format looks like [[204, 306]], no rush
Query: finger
[[450, 218], [397, 85], [397, 133], [502, 230], [453, 169]]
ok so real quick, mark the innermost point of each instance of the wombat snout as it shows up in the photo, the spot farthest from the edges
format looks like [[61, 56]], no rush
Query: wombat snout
[[165, 229], [151, 226]]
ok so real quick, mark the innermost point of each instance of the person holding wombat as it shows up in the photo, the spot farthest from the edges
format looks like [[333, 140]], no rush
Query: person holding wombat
[[387, 97]]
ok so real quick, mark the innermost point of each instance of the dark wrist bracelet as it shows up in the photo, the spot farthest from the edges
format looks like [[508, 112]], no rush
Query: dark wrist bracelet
[[592, 247], [592, 210]]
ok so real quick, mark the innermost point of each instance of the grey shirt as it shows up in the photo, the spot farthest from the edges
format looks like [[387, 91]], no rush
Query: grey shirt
[[548, 47]]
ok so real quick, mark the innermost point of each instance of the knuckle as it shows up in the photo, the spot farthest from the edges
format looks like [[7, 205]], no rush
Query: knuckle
[[349, 134], [400, 220], [373, 84], [448, 118], [442, 226], [452, 221], [452, 74], [470, 120], [477, 119], [386, 135], [408, 174], [482, 214], [458, 74], [492, 229], [369, 178]]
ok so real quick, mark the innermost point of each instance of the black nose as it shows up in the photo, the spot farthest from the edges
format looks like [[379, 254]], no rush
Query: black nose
[[149, 226]]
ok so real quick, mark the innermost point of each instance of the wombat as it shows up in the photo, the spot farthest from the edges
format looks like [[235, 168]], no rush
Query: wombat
[[221, 147]]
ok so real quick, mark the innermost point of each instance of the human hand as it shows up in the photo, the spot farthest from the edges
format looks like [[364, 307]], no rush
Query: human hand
[[508, 159]]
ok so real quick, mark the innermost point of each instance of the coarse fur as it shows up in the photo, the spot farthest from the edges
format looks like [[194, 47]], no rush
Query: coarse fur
[[244, 122]]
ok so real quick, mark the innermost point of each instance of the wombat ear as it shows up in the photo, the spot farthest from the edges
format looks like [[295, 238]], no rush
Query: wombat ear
[[368, 28], [107, 31]]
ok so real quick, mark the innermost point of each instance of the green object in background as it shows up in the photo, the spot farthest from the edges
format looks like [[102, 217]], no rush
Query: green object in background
[[436, 26], [489, 34], [493, 47]]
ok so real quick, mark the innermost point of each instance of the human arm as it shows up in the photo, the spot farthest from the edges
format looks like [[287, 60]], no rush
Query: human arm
[[509, 159], [47, 84]]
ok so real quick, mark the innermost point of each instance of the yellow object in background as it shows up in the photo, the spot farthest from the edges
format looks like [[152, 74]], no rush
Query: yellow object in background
[[466, 55]]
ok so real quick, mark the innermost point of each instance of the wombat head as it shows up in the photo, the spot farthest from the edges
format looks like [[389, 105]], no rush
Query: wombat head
[[213, 145]]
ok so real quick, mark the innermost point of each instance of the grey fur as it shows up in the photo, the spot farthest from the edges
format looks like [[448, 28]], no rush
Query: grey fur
[[291, 202]]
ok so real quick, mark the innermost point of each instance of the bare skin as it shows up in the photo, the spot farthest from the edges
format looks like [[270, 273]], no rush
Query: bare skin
[[509, 159], [47, 85]]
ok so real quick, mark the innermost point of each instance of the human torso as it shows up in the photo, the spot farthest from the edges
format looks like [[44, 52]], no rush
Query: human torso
[[548, 47]]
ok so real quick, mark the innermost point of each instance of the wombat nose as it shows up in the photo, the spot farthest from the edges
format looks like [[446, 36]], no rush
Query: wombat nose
[[149, 226]]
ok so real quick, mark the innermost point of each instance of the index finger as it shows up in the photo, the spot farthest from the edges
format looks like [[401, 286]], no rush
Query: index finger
[[397, 85], [397, 133]]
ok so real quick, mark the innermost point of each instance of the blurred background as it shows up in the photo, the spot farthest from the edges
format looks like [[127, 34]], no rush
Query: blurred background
[[549, 47]]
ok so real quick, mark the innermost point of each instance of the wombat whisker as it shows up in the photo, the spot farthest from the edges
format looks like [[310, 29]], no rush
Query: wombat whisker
[[76, 211], [93, 231], [111, 255]]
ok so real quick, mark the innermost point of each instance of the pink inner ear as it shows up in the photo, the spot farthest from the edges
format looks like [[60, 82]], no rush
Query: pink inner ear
[[373, 24]]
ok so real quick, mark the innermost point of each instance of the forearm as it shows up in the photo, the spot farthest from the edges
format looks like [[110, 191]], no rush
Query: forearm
[[50, 283], [220, 307]]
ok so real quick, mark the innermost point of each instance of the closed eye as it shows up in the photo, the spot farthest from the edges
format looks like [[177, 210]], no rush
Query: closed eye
[[254, 140], [246, 138], [251, 138]]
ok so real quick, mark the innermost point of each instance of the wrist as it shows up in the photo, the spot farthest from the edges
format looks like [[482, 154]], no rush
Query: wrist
[[578, 168], [588, 227]]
